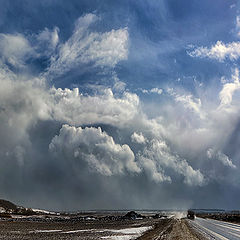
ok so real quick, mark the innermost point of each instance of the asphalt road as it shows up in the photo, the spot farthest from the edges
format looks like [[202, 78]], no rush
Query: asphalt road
[[219, 230]]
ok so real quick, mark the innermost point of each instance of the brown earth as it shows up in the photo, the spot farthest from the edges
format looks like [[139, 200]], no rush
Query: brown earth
[[177, 229], [87, 230], [163, 229]]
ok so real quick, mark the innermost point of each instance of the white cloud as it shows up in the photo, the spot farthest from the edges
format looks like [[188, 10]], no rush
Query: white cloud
[[34, 103], [70, 106], [138, 138], [238, 25], [15, 49], [226, 94], [219, 51], [23, 103], [186, 131], [101, 49], [156, 90], [118, 85], [153, 90], [48, 37], [223, 158], [153, 171], [158, 155], [189, 102], [95, 147]]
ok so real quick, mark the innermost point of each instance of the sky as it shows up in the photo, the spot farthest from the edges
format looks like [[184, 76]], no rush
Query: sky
[[120, 104]]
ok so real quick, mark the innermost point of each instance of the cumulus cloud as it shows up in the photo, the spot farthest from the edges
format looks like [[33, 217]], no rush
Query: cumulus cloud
[[220, 51], [138, 138], [102, 49], [158, 155], [153, 171], [72, 107], [226, 94], [223, 158], [95, 147]]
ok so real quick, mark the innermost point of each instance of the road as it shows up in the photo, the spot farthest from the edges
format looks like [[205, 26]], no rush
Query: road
[[219, 230]]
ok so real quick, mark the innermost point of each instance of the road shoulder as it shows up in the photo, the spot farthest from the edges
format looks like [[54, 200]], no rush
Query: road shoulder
[[178, 229]]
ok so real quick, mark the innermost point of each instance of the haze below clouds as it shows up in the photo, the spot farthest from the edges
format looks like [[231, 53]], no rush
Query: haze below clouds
[[120, 105]]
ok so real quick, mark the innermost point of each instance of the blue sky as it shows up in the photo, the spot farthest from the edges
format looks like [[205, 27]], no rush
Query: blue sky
[[120, 104]]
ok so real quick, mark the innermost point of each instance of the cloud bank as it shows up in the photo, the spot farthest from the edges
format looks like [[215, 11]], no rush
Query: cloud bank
[[92, 115]]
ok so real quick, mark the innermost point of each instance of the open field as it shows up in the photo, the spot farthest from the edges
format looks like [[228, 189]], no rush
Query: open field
[[33, 224], [97, 226]]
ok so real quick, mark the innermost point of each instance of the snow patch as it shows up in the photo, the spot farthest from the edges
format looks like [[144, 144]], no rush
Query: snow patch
[[124, 237], [43, 211], [129, 233], [2, 210], [45, 231], [76, 231], [137, 230]]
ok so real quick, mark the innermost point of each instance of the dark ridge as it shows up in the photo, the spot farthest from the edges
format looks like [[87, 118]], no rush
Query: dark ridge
[[7, 205]]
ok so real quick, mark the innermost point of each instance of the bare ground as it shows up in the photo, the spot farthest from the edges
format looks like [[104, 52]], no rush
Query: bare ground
[[87, 230], [177, 229], [163, 229]]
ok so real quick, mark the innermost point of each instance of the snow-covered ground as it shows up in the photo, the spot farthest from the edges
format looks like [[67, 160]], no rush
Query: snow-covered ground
[[43, 211], [116, 234], [126, 233], [45, 231]]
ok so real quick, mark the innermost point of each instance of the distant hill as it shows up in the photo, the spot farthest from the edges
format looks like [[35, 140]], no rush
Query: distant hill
[[7, 206]]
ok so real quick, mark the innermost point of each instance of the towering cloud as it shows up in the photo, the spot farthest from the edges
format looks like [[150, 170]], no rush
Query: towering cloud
[[100, 151]]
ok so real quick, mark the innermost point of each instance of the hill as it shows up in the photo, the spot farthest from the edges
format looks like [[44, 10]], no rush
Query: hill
[[7, 206]]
